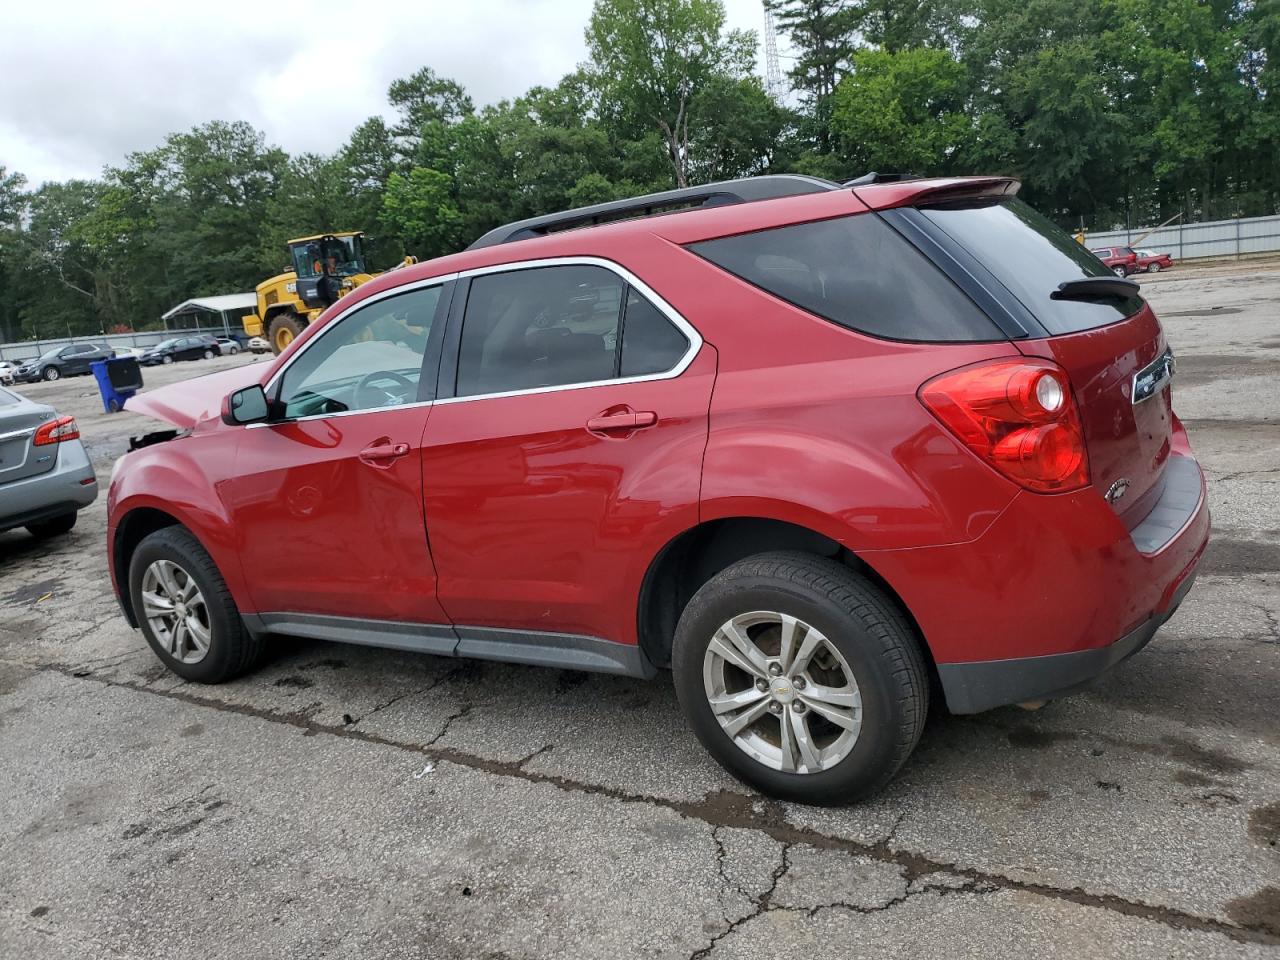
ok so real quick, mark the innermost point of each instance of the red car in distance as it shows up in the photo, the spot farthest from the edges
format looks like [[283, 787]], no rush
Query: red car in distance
[[1150, 261], [823, 450], [1122, 260]]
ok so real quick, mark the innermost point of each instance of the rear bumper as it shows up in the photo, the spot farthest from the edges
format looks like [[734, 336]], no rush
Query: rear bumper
[[1056, 591], [68, 487], [986, 684]]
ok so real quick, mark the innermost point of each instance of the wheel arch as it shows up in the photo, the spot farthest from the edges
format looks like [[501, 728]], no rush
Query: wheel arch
[[697, 554]]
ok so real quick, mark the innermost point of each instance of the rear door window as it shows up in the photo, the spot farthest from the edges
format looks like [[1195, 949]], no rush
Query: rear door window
[[1031, 256], [858, 272]]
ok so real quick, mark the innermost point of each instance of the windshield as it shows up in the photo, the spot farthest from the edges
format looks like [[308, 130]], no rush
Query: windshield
[[1031, 256], [332, 256]]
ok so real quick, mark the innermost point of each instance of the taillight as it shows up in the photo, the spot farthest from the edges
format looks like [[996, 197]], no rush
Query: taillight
[[57, 431], [1019, 416]]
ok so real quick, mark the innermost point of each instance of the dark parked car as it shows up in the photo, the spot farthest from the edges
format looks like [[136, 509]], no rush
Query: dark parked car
[[62, 362], [182, 348], [780, 438], [1122, 260]]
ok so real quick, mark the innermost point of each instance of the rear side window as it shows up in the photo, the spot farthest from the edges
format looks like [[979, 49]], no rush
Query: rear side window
[[858, 272], [1030, 255], [650, 342]]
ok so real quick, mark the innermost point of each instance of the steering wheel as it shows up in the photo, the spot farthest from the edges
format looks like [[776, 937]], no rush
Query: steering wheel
[[367, 396]]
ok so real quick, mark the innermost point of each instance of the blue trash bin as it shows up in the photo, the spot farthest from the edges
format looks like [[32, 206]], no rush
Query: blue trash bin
[[118, 379]]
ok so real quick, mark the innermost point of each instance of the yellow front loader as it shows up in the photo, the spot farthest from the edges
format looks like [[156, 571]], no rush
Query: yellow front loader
[[325, 267]]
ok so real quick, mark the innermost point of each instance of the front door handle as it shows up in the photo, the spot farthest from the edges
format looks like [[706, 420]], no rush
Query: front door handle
[[620, 422], [380, 454]]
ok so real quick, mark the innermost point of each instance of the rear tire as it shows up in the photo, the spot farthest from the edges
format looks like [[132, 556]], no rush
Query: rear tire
[[1120, 271], [862, 633], [52, 528], [282, 330], [230, 648], [1153, 268]]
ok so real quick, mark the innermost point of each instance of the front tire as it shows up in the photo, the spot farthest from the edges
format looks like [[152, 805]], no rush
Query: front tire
[[52, 528], [50, 373], [208, 354], [1120, 271], [185, 610], [167, 359], [801, 677]]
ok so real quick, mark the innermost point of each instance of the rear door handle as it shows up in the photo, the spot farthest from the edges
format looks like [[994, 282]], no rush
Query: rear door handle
[[381, 453]]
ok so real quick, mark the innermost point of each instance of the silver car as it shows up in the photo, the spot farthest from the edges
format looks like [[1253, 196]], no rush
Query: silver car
[[45, 473]]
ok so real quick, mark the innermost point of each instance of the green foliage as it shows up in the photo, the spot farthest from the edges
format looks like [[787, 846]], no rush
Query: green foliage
[[901, 111], [1108, 110]]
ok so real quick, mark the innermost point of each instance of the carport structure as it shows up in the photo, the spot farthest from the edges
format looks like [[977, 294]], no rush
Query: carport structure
[[237, 304]]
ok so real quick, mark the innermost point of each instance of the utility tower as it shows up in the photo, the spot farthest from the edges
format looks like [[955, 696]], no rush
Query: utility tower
[[772, 71]]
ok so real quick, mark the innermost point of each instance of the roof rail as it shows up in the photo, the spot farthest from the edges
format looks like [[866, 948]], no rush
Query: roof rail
[[869, 178], [725, 192]]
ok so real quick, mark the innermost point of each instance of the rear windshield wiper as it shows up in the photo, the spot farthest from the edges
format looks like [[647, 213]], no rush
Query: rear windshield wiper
[[1096, 288]]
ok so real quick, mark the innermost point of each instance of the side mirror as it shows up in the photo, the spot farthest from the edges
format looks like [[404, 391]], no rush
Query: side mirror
[[246, 405]]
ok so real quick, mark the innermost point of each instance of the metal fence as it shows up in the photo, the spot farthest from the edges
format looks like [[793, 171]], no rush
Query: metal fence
[[1246, 236], [34, 348]]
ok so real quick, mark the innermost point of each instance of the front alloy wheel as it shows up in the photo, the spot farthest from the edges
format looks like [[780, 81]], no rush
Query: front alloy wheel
[[176, 611], [782, 692]]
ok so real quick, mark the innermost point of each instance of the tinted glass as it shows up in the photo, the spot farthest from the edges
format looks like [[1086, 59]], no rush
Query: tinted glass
[[857, 272], [650, 342], [372, 358], [544, 327], [1031, 256]]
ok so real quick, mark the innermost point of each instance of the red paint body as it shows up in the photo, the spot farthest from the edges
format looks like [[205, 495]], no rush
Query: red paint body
[[509, 512]]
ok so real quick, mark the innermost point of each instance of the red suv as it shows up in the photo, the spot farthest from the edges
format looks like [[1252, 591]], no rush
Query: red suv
[[1122, 260], [824, 450]]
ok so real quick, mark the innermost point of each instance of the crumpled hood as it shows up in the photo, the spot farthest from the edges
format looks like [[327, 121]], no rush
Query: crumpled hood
[[187, 403]]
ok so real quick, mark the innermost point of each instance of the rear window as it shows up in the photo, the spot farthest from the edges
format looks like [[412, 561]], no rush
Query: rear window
[[858, 272], [1031, 256]]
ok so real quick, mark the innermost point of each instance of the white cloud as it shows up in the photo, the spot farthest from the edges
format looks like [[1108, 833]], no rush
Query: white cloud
[[87, 82]]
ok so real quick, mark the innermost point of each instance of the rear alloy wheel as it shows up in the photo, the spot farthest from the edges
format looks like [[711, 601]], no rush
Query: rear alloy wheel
[[185, 610], [801, 678], [1153, 268], [50, 373], [1120, 271]]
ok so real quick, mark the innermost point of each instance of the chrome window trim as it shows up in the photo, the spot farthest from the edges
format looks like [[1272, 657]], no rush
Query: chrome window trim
[[684, 326]]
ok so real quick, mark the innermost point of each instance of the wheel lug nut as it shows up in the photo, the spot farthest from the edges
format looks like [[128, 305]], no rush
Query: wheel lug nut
[[798, 683], [798, 707], [775, 706], [762, 685], [775, 669]]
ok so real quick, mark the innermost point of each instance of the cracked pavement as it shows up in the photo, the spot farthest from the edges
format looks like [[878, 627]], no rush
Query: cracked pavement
[[350, 802]]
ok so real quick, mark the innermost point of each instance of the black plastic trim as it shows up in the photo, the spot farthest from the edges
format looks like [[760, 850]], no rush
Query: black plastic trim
[[1178, 504], [991, 296], [566, 651]]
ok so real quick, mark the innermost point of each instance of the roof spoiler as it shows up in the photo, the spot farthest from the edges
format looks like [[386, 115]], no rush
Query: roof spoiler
[[903, 192]]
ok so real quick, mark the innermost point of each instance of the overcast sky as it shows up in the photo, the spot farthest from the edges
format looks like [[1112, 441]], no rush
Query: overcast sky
[[84, 83]]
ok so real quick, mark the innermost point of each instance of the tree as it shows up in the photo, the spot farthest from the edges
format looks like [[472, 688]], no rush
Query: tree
[[901, 112], [421, 209], [650, 60], [824, 35]]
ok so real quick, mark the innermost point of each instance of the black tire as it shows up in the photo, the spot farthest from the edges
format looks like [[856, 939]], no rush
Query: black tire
[[283, 329], [166, 359], [1153, 268], [50, 373], [870, 632], [52, 528], [1120, 271], [232, 650], [208, 354]]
